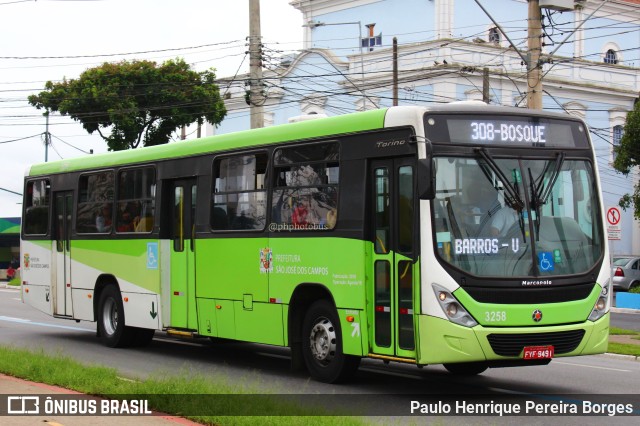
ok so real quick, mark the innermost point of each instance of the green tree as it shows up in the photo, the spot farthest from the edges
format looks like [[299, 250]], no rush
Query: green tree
[[628, 157], [136, 101]]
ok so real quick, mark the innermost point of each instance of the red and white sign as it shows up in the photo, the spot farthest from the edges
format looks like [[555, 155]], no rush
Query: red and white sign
[[614, 226]]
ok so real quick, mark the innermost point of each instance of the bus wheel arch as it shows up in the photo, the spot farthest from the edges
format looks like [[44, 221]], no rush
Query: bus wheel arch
[[110, 316], [102, 282], [315, 335], [302, 298]]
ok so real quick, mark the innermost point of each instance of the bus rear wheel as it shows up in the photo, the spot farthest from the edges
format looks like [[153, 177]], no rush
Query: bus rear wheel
[[322, 345], [466, 368], [111, 329]]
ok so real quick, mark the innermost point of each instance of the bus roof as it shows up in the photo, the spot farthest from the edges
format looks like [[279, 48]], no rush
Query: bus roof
[[343, 124]]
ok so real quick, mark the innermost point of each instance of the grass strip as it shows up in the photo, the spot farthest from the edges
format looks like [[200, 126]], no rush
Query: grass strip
[[615, 331], [167, 394], [624, 349]]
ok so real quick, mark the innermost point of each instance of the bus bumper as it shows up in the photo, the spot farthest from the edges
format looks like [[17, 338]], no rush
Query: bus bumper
[[451, 343]]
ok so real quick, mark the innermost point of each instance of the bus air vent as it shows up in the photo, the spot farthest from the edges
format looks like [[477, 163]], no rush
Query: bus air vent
[[513, 344]]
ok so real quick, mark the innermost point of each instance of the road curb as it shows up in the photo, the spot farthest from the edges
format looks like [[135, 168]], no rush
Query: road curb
[[625, 311], [621, 356], [10, 287]]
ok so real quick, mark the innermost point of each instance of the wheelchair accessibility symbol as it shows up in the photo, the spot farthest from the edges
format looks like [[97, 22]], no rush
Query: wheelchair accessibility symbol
[[545, 261], [152, 255]]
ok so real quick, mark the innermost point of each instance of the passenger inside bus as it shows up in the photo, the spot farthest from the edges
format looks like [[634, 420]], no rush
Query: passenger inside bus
[[128, 217], [103, 219]]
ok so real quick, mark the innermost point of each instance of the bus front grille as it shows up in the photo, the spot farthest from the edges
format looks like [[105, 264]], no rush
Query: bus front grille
[[520, 296], [513, 344]]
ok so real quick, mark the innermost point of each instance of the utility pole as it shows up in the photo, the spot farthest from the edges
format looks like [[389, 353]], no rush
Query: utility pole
[[395, 71], [485, 86], [534, 66], [47, 138], [255, 66]]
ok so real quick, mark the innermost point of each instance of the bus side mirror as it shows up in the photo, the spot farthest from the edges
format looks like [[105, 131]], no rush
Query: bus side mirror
[[426, 179]]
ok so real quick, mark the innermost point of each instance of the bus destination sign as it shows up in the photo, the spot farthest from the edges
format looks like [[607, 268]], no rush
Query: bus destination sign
[[514, 130], [489, 131]]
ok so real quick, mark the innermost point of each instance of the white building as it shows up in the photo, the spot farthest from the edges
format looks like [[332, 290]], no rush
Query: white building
[[443, 47]]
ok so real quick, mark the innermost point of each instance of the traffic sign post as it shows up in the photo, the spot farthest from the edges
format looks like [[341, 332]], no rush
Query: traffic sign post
[[614, 226]]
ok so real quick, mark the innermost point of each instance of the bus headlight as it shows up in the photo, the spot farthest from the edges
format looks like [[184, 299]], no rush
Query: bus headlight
[[452, 308], [600, 308]]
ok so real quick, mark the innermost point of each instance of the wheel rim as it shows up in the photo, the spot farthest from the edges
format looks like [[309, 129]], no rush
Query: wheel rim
[[110, 316], [322, 341]]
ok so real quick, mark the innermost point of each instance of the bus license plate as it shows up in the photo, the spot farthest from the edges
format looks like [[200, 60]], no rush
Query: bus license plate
[[538, 352]]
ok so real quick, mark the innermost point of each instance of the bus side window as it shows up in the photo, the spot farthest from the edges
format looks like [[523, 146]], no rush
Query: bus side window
[[136, 200], [239, 197], [305, 193], [36, 216], [95, 203]]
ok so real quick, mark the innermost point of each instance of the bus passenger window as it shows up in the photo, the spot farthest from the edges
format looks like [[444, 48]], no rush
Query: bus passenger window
[[136, 200], [36, 216], [305, 194], [95, 200], [239, 198]]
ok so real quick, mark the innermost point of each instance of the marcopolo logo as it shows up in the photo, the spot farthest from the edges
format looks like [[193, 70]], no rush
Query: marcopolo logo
[[537, 315]]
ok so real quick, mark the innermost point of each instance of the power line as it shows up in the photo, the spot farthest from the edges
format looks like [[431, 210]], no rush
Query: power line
[[102, 55], [8, 190], [20, 139]]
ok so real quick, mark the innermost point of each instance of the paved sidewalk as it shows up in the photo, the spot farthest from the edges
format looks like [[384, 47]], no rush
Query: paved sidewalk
[[13, 386]]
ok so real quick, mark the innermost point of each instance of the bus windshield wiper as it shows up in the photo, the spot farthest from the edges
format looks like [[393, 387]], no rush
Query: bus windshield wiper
[[511, 196], [542, 192], [539, 192]]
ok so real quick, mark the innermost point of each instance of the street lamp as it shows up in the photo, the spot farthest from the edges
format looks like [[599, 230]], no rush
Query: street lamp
[[315, 24]]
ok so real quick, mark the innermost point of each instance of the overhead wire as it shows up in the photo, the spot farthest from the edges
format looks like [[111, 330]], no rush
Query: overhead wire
[[345, 75]]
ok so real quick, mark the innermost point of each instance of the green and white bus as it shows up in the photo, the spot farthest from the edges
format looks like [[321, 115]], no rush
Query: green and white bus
[[464, 234]]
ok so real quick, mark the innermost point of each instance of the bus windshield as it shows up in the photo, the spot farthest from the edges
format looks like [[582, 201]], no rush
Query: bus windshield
[[517, 217]]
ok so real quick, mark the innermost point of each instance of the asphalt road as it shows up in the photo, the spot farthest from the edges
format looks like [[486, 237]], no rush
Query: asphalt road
[[380, 388]]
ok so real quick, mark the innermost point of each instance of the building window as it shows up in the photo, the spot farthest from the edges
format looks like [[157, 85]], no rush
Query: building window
[[617, 137], [371, 41], [611, 57], [494, 35]]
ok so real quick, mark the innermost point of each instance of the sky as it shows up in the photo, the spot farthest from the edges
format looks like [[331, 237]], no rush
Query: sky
[[54, 39]]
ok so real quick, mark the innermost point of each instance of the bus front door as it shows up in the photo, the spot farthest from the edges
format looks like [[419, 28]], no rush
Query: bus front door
[[391, 292], [183, 311], [62, 254]]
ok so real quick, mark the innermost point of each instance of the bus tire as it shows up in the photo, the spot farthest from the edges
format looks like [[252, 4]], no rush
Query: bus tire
[[322, 345], [466, 368], [111, 328]]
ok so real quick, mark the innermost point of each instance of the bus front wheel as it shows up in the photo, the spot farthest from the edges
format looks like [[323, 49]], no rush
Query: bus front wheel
[[322, 345], [111, 328], [466, 368]]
